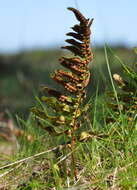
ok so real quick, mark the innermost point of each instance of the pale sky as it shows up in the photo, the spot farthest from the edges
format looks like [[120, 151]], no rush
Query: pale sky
[[43, 23]]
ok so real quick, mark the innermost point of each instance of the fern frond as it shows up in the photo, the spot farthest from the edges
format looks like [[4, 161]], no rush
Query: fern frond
[[74, 80], [67, 107], [79, 16]]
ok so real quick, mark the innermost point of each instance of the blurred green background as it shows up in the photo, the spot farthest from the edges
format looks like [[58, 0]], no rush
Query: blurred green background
[[21, 74]]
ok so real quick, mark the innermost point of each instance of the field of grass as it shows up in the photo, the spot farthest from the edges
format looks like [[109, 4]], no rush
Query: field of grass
[[105, 160]]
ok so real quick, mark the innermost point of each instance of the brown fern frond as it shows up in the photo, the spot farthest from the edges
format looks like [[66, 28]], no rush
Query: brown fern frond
[[77, 28], [60, 97], [73, 61], [90, 23], [66, 109], [79, 16], [74, 50], [75, 35], [51, 92], [77, 69], [67, 85], [82, 33], [76, 43], [75, 80], [68, 75]]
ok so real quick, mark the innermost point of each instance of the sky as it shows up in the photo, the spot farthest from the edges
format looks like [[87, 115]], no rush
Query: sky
[[27, 24]]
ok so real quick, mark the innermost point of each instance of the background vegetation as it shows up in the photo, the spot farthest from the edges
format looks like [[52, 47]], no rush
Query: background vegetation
[[107, 161], [21, 74]]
